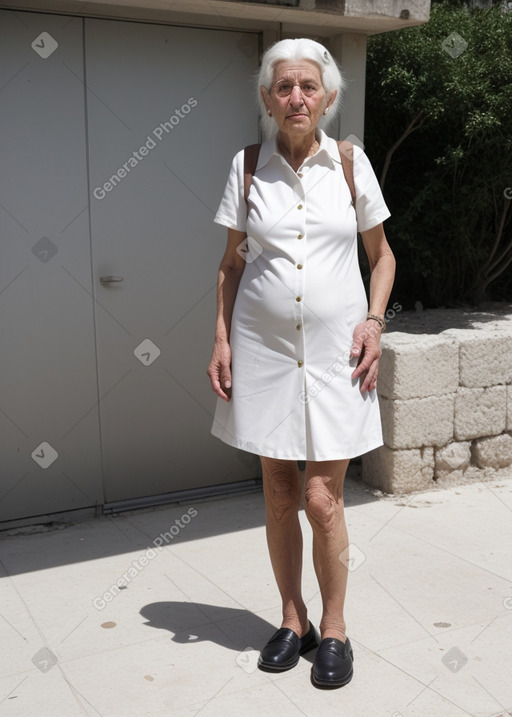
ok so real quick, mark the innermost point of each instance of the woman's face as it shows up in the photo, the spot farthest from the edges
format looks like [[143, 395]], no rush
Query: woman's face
[[297, 97]]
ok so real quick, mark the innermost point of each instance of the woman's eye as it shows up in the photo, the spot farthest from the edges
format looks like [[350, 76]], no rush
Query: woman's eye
[[286, 88]]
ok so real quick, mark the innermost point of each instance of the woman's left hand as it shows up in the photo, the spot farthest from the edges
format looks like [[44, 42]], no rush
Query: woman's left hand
[[366, 347]]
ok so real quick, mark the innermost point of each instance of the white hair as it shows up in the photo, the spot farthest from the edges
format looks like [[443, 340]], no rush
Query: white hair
[[299, 49]]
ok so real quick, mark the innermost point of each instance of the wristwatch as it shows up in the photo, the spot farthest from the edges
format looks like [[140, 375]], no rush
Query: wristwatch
[[379, 319]]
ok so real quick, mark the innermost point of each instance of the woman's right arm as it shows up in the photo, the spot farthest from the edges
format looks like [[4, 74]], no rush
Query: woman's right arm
[[230, 272]]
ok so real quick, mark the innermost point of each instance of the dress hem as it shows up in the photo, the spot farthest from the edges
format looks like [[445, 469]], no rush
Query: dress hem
[[284, 455]]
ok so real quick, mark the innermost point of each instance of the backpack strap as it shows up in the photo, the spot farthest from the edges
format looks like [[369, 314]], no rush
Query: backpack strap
[[251, 154], [346, 150], [347, 162]]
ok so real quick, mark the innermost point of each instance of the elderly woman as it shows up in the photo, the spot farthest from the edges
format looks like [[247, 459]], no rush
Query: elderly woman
[[296, 351]]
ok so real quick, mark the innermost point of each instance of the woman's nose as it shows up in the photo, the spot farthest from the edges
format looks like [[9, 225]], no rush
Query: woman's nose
[[296, 95]]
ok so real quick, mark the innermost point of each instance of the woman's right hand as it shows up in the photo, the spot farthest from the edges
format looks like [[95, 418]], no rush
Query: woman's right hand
[[219, 370]]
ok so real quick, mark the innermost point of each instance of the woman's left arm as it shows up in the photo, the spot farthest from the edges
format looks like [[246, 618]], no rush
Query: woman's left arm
[[366, 339]]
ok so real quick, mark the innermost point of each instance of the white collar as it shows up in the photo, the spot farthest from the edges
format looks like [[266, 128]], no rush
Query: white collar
[[327, 145]]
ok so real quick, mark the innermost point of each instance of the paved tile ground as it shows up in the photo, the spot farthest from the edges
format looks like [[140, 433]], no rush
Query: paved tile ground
[[429, 611]]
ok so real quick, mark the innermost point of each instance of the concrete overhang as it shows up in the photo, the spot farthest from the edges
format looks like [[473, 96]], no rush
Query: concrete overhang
[[322, 18]]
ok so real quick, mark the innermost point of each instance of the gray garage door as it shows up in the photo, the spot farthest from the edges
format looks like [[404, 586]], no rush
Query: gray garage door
[[116, 143]]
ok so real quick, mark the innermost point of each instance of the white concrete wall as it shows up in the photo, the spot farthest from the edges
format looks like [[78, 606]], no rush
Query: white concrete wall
[[349, 50]]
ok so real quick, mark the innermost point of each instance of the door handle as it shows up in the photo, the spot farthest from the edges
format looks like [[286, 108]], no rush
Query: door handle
[[110, 279]]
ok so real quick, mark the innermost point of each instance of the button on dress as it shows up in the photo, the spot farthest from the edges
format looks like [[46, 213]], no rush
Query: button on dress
[[299, 299]]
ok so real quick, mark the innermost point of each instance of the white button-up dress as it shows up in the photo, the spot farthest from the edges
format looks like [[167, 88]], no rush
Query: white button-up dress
[[299, 299]]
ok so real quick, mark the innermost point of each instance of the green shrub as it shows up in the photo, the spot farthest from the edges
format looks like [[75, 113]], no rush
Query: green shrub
[[439, 134]]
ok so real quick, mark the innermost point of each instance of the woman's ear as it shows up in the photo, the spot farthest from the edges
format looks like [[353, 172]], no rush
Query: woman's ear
[[265, 95], [331, 99]]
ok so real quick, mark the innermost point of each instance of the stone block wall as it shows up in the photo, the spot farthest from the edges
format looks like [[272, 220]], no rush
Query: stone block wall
[[446, 405]]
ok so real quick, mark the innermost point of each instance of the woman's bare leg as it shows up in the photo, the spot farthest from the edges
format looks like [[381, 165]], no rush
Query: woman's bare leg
[[325, 511], [282, 491]]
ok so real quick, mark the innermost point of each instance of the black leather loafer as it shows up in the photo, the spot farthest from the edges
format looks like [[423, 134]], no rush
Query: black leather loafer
[[333, 663], [284, 648]]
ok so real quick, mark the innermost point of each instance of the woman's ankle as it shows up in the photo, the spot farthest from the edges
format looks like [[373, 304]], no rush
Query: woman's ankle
[[297, 623], [339, 631]]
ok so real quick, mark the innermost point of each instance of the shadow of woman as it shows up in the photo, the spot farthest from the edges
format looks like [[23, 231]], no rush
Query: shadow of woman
[[233, 628]]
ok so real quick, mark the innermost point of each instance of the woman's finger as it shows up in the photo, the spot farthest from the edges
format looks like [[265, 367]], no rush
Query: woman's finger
[[371, 354], [225, 376], [369, 382], [217, 388], [219, 378]]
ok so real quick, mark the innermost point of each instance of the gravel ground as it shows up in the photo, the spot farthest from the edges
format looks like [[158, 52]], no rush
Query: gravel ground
[[434, 321]]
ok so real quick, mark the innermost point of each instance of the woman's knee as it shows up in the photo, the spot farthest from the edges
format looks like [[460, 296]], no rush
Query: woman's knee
[[321, 505], [281, 483]]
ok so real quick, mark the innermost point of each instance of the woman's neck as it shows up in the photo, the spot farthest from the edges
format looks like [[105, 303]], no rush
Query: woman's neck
[[296, 149]]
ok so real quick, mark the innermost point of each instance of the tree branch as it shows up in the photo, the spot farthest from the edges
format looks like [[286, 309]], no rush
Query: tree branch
[[488, 265], [504, 265], [415, 123]]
